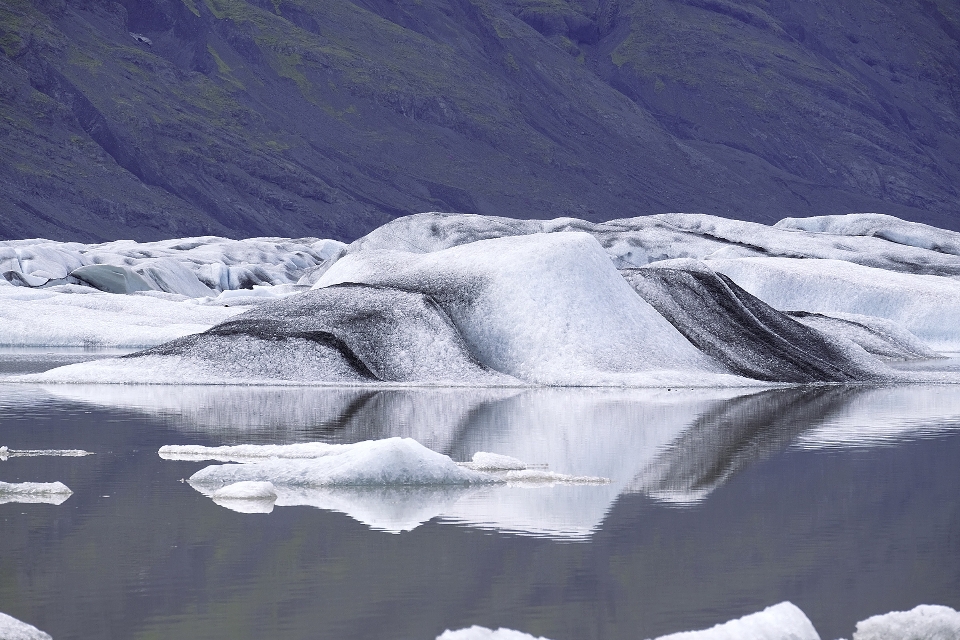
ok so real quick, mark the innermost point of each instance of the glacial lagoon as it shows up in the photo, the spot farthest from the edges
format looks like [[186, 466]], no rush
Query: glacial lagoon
[[840, 499]]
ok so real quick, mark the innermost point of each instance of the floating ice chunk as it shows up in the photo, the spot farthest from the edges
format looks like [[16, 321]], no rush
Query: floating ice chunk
[[482, 633], [389, 462], [925, 622], [23, 453], [784, 621], [13, 629], [247, 491], [250, 452], [247, 497], [483, 461], [34, 492]]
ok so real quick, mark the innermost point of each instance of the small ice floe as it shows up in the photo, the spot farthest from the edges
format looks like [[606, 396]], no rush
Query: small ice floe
[[482, 633], [483, 461], [394, 484], [6, 453], [784, 621], [34, 492], [13, 629], [247, 497], [925, 622]]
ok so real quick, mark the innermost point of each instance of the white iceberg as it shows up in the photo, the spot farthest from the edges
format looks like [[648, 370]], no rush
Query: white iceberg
[[482, 633], [34, 492], [545, 308], [925, 622], [784, 621], [13, 629]]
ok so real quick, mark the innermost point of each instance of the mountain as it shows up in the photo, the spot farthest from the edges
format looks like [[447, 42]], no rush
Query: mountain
[[151, 119]]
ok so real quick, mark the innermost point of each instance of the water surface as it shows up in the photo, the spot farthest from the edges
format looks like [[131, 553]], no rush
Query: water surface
[[842, 500]]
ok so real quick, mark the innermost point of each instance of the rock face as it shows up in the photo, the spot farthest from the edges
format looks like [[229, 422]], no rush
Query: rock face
[[160, 118]]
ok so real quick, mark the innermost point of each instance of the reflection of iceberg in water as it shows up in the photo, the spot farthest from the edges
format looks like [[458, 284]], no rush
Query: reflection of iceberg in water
[[672, 445], [723, 441], [876, 417]]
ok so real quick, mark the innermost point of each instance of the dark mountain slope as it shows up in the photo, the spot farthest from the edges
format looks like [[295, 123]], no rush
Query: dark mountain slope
[[299, 117]]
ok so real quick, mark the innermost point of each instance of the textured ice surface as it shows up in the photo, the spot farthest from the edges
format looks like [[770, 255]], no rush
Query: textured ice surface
[[74, 316], [634, 242], [913, 234], [346, 334], [878, 336], [28, 453], [744, 333], [784, 621], [927, 306], [13, 629], [485, 461], [34, 492], [545, 308], [193, 267], [925, 622], [482, 633]]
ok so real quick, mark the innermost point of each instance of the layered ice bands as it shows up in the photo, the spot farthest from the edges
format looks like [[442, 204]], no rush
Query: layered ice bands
[[544, 308], [745, 334]]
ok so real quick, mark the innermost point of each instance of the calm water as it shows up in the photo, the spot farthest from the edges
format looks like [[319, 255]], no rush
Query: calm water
[[842, 500]]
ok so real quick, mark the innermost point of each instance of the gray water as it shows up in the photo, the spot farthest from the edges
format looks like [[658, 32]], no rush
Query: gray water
[[841, 500]]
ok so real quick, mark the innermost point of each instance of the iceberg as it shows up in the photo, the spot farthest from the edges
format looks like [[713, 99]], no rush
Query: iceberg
[[447, 299], [544, 308], [13, 629], [34, 492], [928, 306], [925, 622]]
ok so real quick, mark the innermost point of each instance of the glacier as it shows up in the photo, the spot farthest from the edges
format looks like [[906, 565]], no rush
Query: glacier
[[454, 299], [783, 621]]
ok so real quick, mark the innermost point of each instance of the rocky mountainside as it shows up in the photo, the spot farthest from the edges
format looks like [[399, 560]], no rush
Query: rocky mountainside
[[152, 119]]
